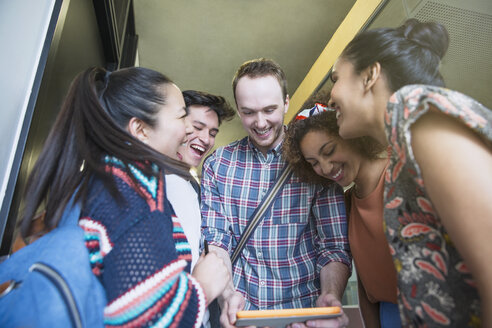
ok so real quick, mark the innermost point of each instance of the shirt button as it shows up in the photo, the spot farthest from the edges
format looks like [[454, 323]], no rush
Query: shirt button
[[262, 283], [260, 254]]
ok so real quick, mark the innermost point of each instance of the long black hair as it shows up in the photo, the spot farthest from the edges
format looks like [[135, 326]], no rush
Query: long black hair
[[91, 124], [409, 54]]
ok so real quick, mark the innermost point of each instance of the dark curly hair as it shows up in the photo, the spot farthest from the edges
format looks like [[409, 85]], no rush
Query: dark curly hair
[[324, 122]]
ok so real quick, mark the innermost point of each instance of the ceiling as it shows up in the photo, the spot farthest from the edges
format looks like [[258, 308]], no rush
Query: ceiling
[[200, 44]]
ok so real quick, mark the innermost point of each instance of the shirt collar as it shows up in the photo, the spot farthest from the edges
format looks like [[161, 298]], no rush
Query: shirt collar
[[276, 151]]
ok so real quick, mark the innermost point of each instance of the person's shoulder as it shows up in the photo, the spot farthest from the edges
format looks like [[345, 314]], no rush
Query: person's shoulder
[[117, 214], [416, 94], [175, 181], [135, 190], [412, 101], [101, 208]]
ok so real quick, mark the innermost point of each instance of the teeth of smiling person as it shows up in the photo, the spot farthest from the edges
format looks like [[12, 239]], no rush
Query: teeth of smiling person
[[337, 174], [199, 148], [338, 114], [262, 131]]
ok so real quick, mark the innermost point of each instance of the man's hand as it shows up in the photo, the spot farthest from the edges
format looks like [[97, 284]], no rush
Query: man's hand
[[329, 300], [229, 307], [338, 322], [333, 278]]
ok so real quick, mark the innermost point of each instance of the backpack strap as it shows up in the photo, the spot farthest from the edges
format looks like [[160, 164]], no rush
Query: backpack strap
[[260, 211]]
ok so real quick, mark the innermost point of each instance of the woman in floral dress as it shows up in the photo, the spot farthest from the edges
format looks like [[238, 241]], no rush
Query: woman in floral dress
[[438, 213]]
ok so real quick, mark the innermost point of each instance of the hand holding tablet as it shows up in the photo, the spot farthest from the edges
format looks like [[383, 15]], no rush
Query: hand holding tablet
[[281, 318]]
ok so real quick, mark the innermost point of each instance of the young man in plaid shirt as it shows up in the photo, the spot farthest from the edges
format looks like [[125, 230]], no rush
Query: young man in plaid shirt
[[298, 256]]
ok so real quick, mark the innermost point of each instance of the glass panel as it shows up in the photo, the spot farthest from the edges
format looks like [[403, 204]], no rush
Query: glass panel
[[350, 296]]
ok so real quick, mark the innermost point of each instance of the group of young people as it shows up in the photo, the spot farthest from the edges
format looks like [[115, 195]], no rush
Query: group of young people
[[415, 221]]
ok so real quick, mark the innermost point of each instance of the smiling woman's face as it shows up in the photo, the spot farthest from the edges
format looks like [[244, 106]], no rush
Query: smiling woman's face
[[359, 100], [171, 128], [347, 96], [330, 157]]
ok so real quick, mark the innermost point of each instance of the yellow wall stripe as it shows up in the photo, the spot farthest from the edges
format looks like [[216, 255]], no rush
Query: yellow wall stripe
[[355, 20]]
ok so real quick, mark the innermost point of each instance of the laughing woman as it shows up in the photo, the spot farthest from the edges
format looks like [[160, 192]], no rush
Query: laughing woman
[[115, 138], [438, 212], [318, 154]]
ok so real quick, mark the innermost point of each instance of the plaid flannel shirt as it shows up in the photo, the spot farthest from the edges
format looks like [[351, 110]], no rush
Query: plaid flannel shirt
[[304, 230]]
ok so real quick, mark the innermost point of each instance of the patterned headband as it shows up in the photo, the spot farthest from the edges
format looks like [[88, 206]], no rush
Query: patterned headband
[[317, 109]]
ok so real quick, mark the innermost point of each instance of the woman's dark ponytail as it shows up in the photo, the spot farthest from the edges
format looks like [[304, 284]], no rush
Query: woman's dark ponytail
[[431, 36], [91, 124], [409, 54]]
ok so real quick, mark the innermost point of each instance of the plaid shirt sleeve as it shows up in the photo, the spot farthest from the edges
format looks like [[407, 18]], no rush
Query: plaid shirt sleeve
[[215, 226], [330, 217]]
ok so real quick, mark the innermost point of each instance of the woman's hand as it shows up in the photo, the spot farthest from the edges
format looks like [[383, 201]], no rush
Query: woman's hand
[[212, 274]]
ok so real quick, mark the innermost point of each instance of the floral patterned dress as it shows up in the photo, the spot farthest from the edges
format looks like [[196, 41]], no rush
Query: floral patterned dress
[[435, 287]]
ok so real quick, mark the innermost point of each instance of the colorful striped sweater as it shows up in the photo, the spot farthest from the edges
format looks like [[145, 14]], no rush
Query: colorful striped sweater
[[140, 253]]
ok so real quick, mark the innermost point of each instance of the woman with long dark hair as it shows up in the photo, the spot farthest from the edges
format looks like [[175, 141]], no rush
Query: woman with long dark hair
[[116, 137], [437, 211]]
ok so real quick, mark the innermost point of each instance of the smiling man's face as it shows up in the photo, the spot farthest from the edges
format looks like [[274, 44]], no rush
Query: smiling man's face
[[261, 108], [205, 124]]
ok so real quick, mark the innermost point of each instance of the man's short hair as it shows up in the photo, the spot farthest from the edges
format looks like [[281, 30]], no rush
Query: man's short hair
[[259, 68], [218, 104]]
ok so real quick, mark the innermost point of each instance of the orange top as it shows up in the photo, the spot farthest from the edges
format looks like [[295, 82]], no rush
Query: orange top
[[369, 246], [288, 312]]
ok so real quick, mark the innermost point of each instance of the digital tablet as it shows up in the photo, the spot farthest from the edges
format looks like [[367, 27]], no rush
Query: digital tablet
[[281, 318]]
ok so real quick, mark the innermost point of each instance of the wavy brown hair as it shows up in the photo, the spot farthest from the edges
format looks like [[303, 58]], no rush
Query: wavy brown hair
[[325, 122]]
